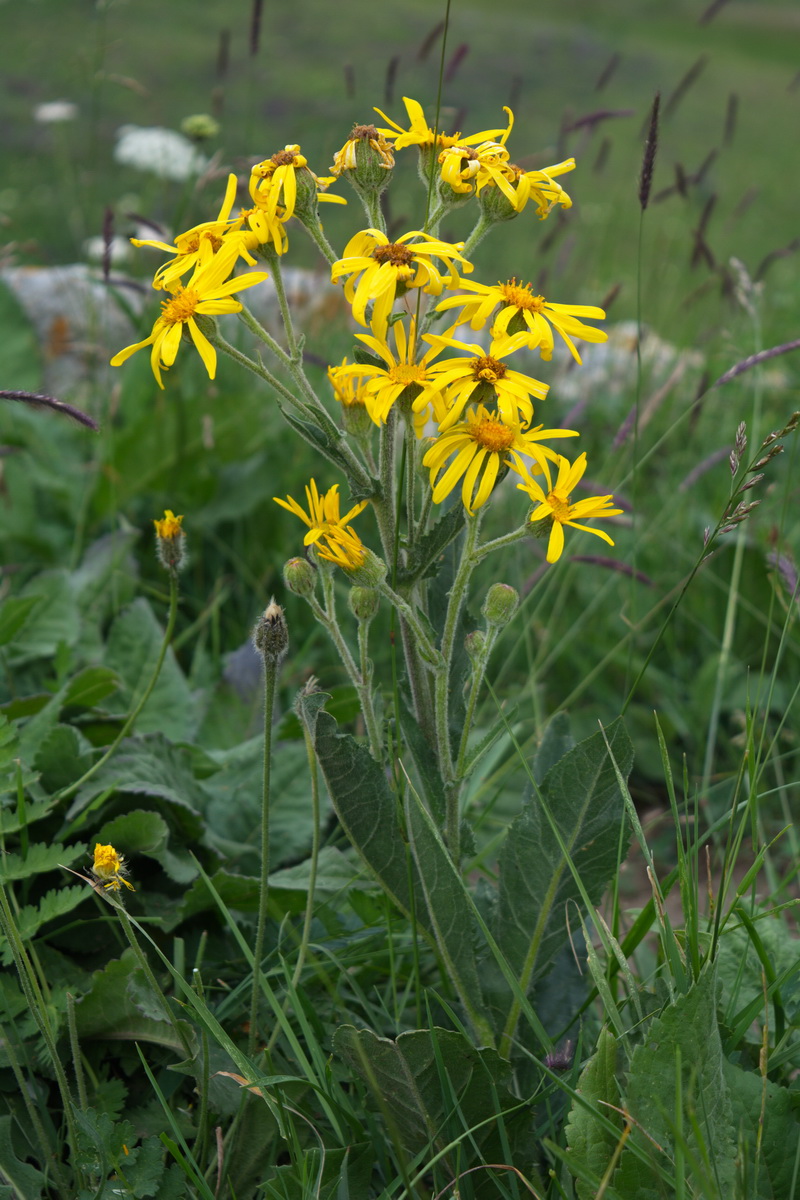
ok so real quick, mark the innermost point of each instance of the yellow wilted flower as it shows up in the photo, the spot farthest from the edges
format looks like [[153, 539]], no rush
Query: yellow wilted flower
[[109, 868]]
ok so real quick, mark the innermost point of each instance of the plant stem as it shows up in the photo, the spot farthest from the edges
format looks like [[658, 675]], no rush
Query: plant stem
[[48, 1154], [508, 539], [442, 685], [314, 231], [75, 1047], [478, 672], [126, 728], [432, 657], [271, 668], [476, 237]]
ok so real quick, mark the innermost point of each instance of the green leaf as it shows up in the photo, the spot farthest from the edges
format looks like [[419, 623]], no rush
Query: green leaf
[[13, 615], [41, 857], [350, 1167], [108, 1010], [556, 742], [450, 915], [770, 1173], [364, 803], [61, 758], [146, 832], [31, 917], [424, 555], [435, 1084], [239, 892], [133, 646], [591, 1144], [425, 761], [24, 1179], [89, 687], [680, 1063], [581, 795], [53, 620]]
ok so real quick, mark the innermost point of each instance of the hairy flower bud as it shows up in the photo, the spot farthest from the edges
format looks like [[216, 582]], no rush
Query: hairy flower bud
[[369, 573], [501, 602], [475, 644], [299, 576], [170, 542], [200, 127], [364, 602], [271, 634]]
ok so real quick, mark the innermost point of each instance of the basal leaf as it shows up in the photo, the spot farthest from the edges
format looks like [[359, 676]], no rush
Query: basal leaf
[[108, 1011], [41, 857], [770, 1172], [32, 917], [591, 1144]]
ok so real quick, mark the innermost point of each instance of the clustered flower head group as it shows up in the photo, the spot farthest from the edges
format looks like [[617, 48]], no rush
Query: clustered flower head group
[[478, 412]]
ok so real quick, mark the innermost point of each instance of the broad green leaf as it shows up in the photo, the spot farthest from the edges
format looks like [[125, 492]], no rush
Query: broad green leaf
[[679, 1067], [450, 915], [436, 1084], [336, 874], [770, 1172], [131, 652], [55, 618], [146, 832], [425, 761], [337, 1169], [556, 742], [89, 687], [580, 796], [591, 1144], [31, 917], [13, 615], [424, 555], [238, 892], [10, 821], [364, 804], [41, 857], [108, 1011], [740, 972], [62, 758], [24, 1179]]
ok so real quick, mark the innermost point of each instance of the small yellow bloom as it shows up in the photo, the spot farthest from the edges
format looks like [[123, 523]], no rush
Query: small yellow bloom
[[205, 294], [347, 388], [520, 309], [556, 504], [479, 446], [274, 183], [169, 526], [519, 186], [420, 133], [382, 267], [109, 868], [403, 373], [346, 159], [323, 517], [342, 547], [201, 242]]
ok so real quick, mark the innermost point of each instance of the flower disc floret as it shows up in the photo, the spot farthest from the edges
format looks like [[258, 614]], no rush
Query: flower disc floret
[[556, 504], [206, 294], [522, 309], [377, 267], [478, 447]]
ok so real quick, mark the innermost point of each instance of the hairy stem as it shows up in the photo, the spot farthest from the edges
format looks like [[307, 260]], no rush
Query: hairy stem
[[271, 668]]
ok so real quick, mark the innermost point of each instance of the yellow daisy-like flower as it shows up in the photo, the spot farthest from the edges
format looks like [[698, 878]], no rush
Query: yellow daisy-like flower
[[274, 183], [385, 385], [169, 526], [109, 868], [519, 186], [483, 376], [346, 159], [323, 517], [348, 389], [206, 294], [201, 242], [522, 308], [556, 504], [420, 133], [381, 267], [479, 446]]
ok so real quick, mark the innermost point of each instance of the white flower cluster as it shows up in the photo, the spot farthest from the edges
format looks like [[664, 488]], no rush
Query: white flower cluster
[[164, 152]]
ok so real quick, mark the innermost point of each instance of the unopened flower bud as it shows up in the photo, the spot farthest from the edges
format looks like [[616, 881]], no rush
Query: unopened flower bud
[[299, 576], [501, 602], [200, 127], [170, 542], [369, 573], [271, 634], [495, 205], [475, 644], [541, 529], [364, 602]]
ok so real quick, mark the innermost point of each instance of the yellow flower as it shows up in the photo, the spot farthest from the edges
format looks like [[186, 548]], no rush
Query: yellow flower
[[420, 133], [274, 183], [463, 167], [385, 385], [206, 294], [323, 517], [481, 377], [169, 526], [385, 266], [520, 186], [556, 504], [348, 389], [346, 158], [201, 242], [109, 868], [521, 308], [482, 444]]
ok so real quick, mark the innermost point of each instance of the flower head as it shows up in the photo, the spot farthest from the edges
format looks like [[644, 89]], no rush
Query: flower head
[[200, 243], [516, 187], [164, 152], [278, 183], [555, 505], [419, 133], [382, 268], [478, 448], [109, 868], [365, 146], [404, 374], [521, 309], [482, 377], [170, 541], [323, 516], [344, 548], [206, 294]]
